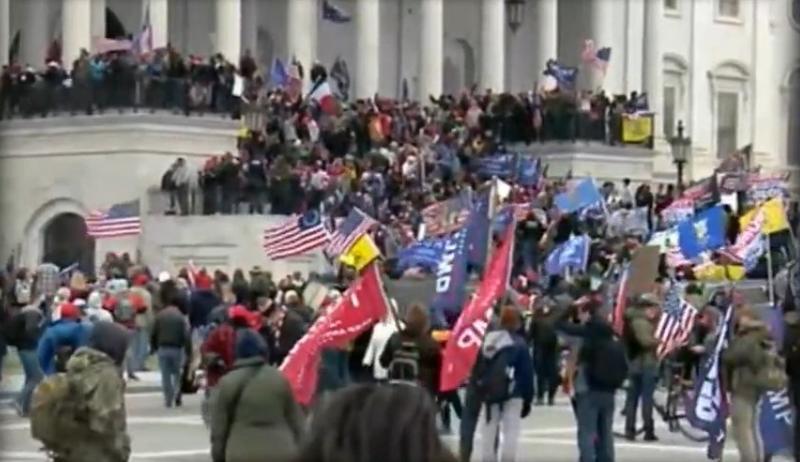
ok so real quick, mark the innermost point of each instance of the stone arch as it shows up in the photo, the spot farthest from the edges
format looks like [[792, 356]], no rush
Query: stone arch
[[33, 245], [731, 69], [675, 63], [66, 243], [265, 48], [459, 65]]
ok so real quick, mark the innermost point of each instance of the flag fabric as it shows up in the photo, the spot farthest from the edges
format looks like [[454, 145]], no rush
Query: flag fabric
[[775, 219], [294, 88], [582, 195], [478, 230], [359, 308], [120, 220], [461, 350], [300, 234], [676, 322], [749, 245], [499, 165], [451, 274], [425, 254], [341, 75], [775, 422], [705, 231], [528, 169], [143, 41], [278, 75], [333, 13], [363, 252], [707, 408], [322, 95], [353, 227], [675, 258], [596, 58], [680, 209], [447, 216], [565, 76], [105, 45], [573, 254], [763, 187], [620, 303]]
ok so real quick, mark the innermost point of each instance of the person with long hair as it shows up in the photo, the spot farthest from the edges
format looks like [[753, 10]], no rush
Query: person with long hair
[[370, 422]]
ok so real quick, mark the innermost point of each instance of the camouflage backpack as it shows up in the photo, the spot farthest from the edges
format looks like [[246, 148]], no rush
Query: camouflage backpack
[[80, 414]]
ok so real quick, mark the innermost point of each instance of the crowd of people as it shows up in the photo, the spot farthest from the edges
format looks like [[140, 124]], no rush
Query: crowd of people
[[226, 335]]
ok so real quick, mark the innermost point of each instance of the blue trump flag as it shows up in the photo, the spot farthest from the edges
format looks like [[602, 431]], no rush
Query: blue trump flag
[[582, 195], [704, 231], [451, 274], [775, 419], [573, 254], [564, 75], [499, 165], [478, 231], [278, 75], [425, 254], [528, 171]]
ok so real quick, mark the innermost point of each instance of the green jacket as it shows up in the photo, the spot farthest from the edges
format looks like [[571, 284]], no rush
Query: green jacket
[[265, 424], [745, 359], [642, 333]]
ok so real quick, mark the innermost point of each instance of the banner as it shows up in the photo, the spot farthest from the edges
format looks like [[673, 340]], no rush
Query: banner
[[709, 407], [679, 210], [361, 253], [581, 195], [637, 129], [451, 274], [774, 216], [467, 336], [360, 306], [762, 188]]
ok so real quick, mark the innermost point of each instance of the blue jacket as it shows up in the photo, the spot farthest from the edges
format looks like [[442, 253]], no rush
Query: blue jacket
[[60, 334], [520, 360], [201, 302]]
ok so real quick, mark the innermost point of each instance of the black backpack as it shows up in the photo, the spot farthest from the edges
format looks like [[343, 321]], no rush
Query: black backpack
[[606, 364], [404, 365], [494, 377]]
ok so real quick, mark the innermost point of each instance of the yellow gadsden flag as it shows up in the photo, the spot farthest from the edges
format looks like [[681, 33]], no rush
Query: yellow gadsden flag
[[361, 253], [718, 273], [637, 129], [774, 216]]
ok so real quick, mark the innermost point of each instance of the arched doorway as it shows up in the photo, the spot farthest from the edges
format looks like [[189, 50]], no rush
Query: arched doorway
[[66, 243]]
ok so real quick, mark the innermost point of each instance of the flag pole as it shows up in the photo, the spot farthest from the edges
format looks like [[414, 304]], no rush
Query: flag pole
[[770, 276], [491, 212]]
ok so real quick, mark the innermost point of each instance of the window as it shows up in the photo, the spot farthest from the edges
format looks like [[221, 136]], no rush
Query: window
[[727, 122], [728, 8], [671, 5], [670, 100], [794, 13]]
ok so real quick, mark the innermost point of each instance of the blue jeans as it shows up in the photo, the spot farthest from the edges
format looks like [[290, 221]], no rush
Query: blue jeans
[[170, 362], [33, 375], [139, 349], [642, 386], [595, 413]]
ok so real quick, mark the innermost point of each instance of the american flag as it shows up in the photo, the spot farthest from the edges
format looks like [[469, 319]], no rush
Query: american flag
[[447, 216], [353, 227], [597, 58], [120, 220], [298, 235], [676, 323]]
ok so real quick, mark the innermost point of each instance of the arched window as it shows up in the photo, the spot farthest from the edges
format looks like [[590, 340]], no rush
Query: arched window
[[674, 93], [729, 82]]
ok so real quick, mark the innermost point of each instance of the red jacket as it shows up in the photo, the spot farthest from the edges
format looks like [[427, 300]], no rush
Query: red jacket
[[221, 344]]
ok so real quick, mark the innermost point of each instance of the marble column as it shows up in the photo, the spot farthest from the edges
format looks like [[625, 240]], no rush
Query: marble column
[[159, 20], [250, 15], [98, 19], [608, 32], [35, 33], [302, 39], [228, 30], [546, 45], [5, 30], [653, 65], [76, 29], [368, 20], [493, 48], [431, 54]]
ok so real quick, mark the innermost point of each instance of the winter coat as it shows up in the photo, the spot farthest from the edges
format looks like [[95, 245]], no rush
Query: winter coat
[[24, 328], [64, 333], [430, 357], [201, 303], [255, 417], [745, 360], [641, 340], [219, 351], [520, 360]]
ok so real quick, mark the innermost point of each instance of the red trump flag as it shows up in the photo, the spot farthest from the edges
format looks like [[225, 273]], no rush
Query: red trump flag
[[360, 306], [465, 341]]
